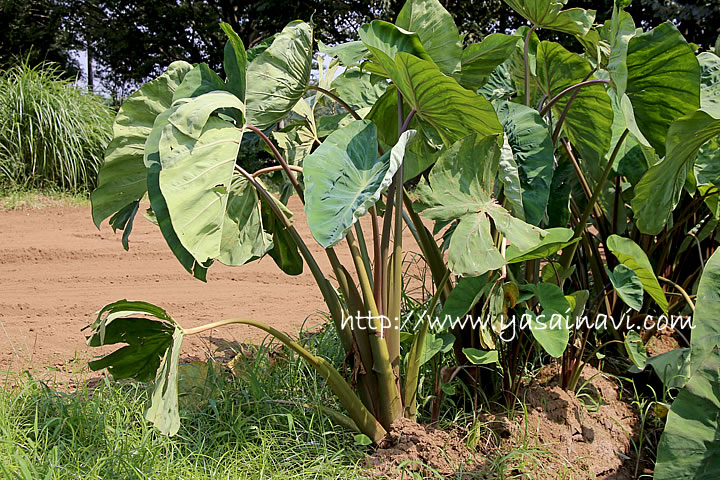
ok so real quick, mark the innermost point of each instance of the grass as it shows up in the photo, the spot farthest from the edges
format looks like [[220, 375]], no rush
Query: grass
[[237, 430], [52, 134], [33, 199]]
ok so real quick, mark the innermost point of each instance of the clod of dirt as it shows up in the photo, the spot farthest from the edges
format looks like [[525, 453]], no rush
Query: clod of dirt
[[591, 442], [421, 449]]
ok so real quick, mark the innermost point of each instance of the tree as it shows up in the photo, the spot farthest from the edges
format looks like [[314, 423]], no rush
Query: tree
[[133, 41], [32, 30]]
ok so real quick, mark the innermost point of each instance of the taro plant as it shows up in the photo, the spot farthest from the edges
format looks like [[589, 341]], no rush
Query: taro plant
[[540, 184]]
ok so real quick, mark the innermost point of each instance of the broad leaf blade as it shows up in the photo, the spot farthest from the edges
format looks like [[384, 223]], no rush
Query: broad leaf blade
[[436, 29], [631, 255], [277, 78], [628, 286], [122, 176], [344, 178]]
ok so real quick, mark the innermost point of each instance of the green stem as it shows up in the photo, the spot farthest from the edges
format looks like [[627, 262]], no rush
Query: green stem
[[337, 99], [356, 410], [328, 293], [569, 89], [286, 168], [412, 373], [682, 291], [569, 253]]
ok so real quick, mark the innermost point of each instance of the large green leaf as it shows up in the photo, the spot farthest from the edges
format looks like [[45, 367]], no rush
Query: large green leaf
[[659, 190], [278, 77], [710, 80], [465, 296], [689, 447], [663, 81], [436, 29], [235, 62], [631, 255], [439, 100], [706, 333], [549, 14], [157, 201], [122, 177], [555, 239], [627, 285], [550, 328], [509, 176], [199, 81], [479, 60], [344, 177], [460, 187], [152, 350], [359, 89], [622, 29], [589, 120], [532, 149], [215, 215], [384, 37]]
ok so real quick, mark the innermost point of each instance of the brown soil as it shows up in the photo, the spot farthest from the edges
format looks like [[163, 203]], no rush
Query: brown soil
[[58, 269], [557, 438], [424, 450]]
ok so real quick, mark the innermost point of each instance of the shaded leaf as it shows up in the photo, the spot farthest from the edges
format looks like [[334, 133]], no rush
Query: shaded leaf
[[480, 357], [636, 349], [479, 60], [627, 285], [631, 255]]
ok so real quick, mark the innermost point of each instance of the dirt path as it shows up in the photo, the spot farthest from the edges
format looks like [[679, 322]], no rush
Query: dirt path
[[57, 269]]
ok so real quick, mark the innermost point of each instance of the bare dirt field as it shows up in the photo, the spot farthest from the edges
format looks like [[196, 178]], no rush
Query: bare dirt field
[[58, 269]]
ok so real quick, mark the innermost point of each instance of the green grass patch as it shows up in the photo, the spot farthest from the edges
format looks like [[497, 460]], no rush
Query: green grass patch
[[52, 134]]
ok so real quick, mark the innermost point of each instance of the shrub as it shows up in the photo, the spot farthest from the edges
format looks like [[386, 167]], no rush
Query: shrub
[[52, 134]]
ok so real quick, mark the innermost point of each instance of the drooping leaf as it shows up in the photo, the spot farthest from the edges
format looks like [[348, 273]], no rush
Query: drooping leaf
[[344, 177], [663, 82], [479, 60], [689, 446], [277, 78], [672, 367], [659, 190], [460, 187], [631, 255], [158, 204], [499, 85], [123, 220], [636, 349], [480, 357], [549, 14], [436, 29], [532, 149], [146, 339], [555, 240], [235, 61], [122, 178], [209, 223], [628, 286], [163, 411], [284, 251]]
